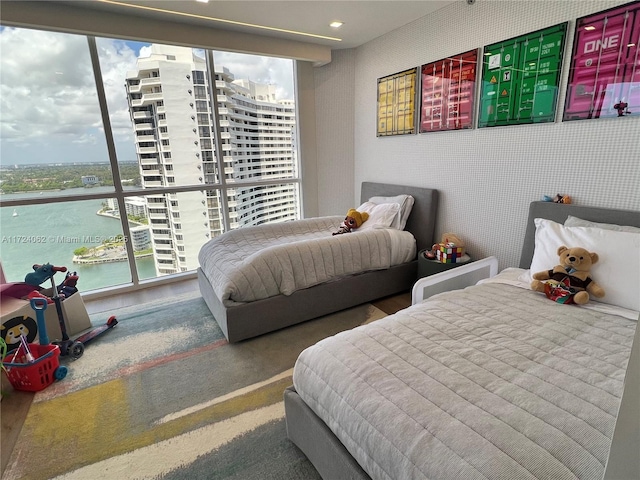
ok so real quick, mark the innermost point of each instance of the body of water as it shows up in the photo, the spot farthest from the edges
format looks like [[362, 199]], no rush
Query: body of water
[[50, 233]]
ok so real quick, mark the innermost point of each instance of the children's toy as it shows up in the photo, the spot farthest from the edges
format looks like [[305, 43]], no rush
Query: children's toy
[[433, 253], [37, 373], [36, 294], [16, 289], [75, 347], [352, 221], [12, 329], [451, 249], [39, 305], [28, 356], [570, 281], [557, 199], [68, 285], [41, 274]]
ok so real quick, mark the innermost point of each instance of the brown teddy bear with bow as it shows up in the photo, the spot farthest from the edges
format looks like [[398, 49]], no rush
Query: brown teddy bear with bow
[[352, 221], [570, 281]]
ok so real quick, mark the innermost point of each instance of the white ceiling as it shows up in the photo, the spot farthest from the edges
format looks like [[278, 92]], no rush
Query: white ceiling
[[363, 20]]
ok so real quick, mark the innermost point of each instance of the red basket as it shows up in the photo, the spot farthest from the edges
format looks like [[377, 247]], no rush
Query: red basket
[[33, 376]]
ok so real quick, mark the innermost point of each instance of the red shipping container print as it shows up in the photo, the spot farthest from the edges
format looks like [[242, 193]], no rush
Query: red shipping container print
[[448, 92], [604, 80]]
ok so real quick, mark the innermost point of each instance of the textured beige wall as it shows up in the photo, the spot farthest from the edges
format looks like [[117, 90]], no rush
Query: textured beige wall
[[487, 176], [335, 110]]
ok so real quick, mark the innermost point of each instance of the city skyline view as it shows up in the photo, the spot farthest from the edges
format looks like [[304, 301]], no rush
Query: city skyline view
[[210, 163]]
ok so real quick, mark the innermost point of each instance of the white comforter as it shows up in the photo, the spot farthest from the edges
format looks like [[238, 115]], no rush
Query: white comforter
[[490, 382], [254, 263]]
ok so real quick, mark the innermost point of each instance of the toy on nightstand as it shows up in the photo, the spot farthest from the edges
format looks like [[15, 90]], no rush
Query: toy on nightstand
[[432, 254], [451, 249]]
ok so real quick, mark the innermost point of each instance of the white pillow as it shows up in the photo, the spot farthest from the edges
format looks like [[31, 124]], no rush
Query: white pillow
[[380, 216], [406, 204], [572, 221], [618, 269]]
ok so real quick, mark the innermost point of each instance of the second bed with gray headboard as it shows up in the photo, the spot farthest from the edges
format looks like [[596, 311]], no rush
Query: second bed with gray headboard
[[491, 381], [241, 320]]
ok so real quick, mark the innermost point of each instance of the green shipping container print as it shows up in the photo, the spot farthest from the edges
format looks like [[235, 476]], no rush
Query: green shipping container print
[[520, 78]]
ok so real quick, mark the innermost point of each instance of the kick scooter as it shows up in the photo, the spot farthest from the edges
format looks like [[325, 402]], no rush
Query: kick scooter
[[75, 347]]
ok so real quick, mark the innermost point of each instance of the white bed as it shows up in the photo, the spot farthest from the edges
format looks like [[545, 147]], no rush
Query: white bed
[[493, 381], [255, 263], [259, 279]]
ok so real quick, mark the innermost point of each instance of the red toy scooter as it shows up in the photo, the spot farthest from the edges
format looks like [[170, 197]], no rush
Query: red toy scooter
[[75, 347]]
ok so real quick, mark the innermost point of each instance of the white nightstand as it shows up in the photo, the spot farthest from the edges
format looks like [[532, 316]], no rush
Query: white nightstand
[[454, 279]]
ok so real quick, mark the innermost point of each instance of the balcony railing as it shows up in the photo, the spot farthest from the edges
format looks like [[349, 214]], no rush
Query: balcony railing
[[150, 81], [149, 97], [149, 161], [142, 150]]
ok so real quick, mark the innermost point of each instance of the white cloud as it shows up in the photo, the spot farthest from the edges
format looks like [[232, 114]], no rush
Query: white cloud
[[116, 59], [45, 82], [49, 107], [48, 97], [259, 69]]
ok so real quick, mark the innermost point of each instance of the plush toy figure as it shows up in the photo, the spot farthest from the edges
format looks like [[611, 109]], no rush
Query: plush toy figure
[[40, 274], [352, 221], [570, 281], [557, 199]]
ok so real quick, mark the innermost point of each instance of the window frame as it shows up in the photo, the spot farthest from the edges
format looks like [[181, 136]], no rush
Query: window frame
[[120, 195]]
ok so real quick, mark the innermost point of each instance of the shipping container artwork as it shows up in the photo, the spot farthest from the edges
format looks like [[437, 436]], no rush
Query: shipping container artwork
[[604, 80], [448, 92], [397, 103], [520, 78]]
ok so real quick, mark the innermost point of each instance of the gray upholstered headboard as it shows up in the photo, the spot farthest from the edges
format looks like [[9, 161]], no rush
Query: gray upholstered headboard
[[559, 212], [422, 221]]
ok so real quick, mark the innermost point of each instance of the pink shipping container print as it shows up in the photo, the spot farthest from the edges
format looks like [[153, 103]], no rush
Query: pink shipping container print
[[448, 92], [604, 80]]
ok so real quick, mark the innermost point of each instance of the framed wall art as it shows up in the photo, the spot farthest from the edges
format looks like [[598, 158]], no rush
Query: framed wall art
[[397, 103], [604, 80], [520, 78], [447, 93]]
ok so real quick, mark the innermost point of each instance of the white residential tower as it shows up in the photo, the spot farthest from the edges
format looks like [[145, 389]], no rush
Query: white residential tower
[[172, 114]]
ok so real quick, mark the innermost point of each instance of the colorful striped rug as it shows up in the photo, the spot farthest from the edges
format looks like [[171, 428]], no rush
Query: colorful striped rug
[[163, 395]]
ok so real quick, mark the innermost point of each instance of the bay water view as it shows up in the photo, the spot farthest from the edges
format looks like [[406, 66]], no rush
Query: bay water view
[[50, 233]]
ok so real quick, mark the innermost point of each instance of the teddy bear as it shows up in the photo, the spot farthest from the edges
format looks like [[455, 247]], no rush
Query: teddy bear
[[570, 281], [352, 221]]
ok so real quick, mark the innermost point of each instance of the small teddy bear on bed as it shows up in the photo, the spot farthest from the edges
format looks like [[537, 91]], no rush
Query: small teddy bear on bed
[[570, 281], [352, 221]]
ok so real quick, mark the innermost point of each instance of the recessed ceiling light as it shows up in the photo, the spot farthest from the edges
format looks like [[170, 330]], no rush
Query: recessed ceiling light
[[203, 1], [222, 20], [336, 24]]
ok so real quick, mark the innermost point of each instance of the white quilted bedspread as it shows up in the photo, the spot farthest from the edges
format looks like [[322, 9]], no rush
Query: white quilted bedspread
[[254, 263], [490, 382]]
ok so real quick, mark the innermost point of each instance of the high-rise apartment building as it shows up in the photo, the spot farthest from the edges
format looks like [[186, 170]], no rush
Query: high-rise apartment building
[[172, 113]]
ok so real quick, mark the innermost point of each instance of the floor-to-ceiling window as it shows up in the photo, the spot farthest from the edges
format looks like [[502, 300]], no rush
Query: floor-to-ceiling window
[[119, 159]]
